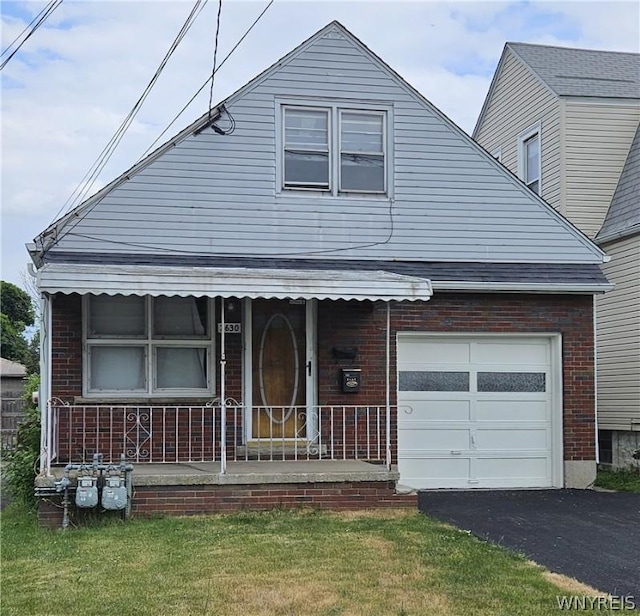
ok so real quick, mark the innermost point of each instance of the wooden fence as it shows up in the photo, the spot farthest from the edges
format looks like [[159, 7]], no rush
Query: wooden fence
[[12, 412]]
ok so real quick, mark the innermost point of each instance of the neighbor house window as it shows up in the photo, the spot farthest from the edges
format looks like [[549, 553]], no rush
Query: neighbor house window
[[334, 149], [529, 159], [148, 345]]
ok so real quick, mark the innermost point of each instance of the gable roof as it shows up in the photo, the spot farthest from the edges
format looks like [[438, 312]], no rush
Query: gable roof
[[11, 368], [582, 72], [623, 216], [520, 215]]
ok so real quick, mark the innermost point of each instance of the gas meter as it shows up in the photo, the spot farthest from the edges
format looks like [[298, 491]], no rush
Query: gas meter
[[87, 491], [114, 492]]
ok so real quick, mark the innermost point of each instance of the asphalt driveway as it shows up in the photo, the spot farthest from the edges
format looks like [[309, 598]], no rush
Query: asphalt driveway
[[591, 536]]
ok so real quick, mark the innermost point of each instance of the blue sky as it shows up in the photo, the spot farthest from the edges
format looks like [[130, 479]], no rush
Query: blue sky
[[76, 78]]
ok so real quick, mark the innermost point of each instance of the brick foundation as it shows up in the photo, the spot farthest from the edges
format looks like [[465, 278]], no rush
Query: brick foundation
[[202, 499]]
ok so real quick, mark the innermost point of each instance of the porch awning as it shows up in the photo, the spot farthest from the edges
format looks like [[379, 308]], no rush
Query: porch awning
[[231, 282]]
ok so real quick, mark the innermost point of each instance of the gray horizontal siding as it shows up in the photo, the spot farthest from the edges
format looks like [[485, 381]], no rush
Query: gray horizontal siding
[[619, 338], [217, 195]]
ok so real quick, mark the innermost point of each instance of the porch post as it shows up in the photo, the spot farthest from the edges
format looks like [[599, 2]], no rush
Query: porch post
[[388, 385], [44, 393], [223, 394]]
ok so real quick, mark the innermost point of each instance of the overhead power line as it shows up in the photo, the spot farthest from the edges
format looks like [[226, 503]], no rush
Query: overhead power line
[[36, 22], [90, 177], [215, 55], [204, 85]]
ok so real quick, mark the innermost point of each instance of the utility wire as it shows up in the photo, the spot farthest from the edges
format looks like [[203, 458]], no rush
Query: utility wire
[[10, 45], [89, 179], [39, 20], [215, 55], [204, 85]]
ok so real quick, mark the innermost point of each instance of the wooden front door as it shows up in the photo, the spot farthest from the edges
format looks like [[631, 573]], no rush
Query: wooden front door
[[278, 369]]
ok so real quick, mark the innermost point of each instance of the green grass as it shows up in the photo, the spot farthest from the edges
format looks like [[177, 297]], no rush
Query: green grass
[[620, 480], [279, 563]]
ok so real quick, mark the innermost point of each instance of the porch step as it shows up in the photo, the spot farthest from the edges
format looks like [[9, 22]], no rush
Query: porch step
[[278, 450]]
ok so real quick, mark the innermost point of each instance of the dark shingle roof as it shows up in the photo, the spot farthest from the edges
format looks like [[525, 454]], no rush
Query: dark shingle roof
[[583, 72], [623, 217], [471, 272]]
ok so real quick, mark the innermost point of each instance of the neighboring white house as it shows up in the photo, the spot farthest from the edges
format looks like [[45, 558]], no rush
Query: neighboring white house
[[564, 120]]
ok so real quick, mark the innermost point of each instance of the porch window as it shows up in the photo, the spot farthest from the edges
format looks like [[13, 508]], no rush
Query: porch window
[[148, 345]]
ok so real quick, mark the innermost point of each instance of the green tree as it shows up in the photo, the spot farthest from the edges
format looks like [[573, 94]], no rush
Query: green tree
[[16, 304], [16, 315]]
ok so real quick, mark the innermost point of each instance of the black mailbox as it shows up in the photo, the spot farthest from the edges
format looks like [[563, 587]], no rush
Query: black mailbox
[[351, 380]]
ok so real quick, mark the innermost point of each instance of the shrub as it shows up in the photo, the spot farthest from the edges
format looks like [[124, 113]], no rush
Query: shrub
[[20, 463]]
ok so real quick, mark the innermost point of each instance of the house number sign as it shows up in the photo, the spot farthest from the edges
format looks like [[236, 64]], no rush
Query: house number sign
[[230, 328]]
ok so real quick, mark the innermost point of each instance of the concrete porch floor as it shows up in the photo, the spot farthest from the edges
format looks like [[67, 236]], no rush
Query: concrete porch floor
[[248, 472]]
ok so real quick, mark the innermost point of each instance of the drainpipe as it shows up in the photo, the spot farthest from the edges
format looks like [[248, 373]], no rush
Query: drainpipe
[[223, 394], [388, 368]]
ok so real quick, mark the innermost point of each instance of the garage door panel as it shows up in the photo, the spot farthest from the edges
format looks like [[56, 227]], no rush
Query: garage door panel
[[511, 438], [442, 352], [504, 352], [435, 410], [520, 468], [443, 472], [441, 439], [512, 410]]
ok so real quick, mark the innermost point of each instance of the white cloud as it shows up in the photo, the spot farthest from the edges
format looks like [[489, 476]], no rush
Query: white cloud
[[69, 88]]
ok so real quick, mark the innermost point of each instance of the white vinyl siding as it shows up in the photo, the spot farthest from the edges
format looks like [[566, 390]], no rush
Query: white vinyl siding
[[215, 194], [597, 140], [518, 100], [618, 327]]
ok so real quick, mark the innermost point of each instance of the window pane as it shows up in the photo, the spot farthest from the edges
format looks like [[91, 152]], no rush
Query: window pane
[[180, 317], [306, 169], [433, 381], [306, 129], [532, 152], [181, 368], [117, 368], [116, 316], [362, 172], [360, 132], [511, 381]]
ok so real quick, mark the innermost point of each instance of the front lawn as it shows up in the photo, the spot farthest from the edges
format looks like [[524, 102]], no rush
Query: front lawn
[[251, 564]]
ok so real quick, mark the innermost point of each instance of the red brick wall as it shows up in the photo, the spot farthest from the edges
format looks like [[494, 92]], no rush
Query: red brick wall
[[198, 499], [363, 325]]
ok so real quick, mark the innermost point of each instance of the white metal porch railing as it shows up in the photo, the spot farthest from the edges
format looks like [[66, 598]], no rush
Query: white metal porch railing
[[183, 433]]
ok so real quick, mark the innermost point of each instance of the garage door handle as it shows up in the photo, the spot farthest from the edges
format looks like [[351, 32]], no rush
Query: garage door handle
[[473, 441], [456, 453]]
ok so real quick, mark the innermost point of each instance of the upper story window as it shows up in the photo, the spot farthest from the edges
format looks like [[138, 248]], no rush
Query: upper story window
[[147, 345], [529, 159], [334, 149], [306, 148]]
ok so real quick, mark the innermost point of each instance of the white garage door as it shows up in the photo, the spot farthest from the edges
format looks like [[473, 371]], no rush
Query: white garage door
[[476, 412]]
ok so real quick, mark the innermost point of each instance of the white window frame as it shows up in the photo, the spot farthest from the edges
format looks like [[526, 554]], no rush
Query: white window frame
[[308, 185], [497, 154], [150, 344], [340, 112], [335, 110], [523, 138]]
